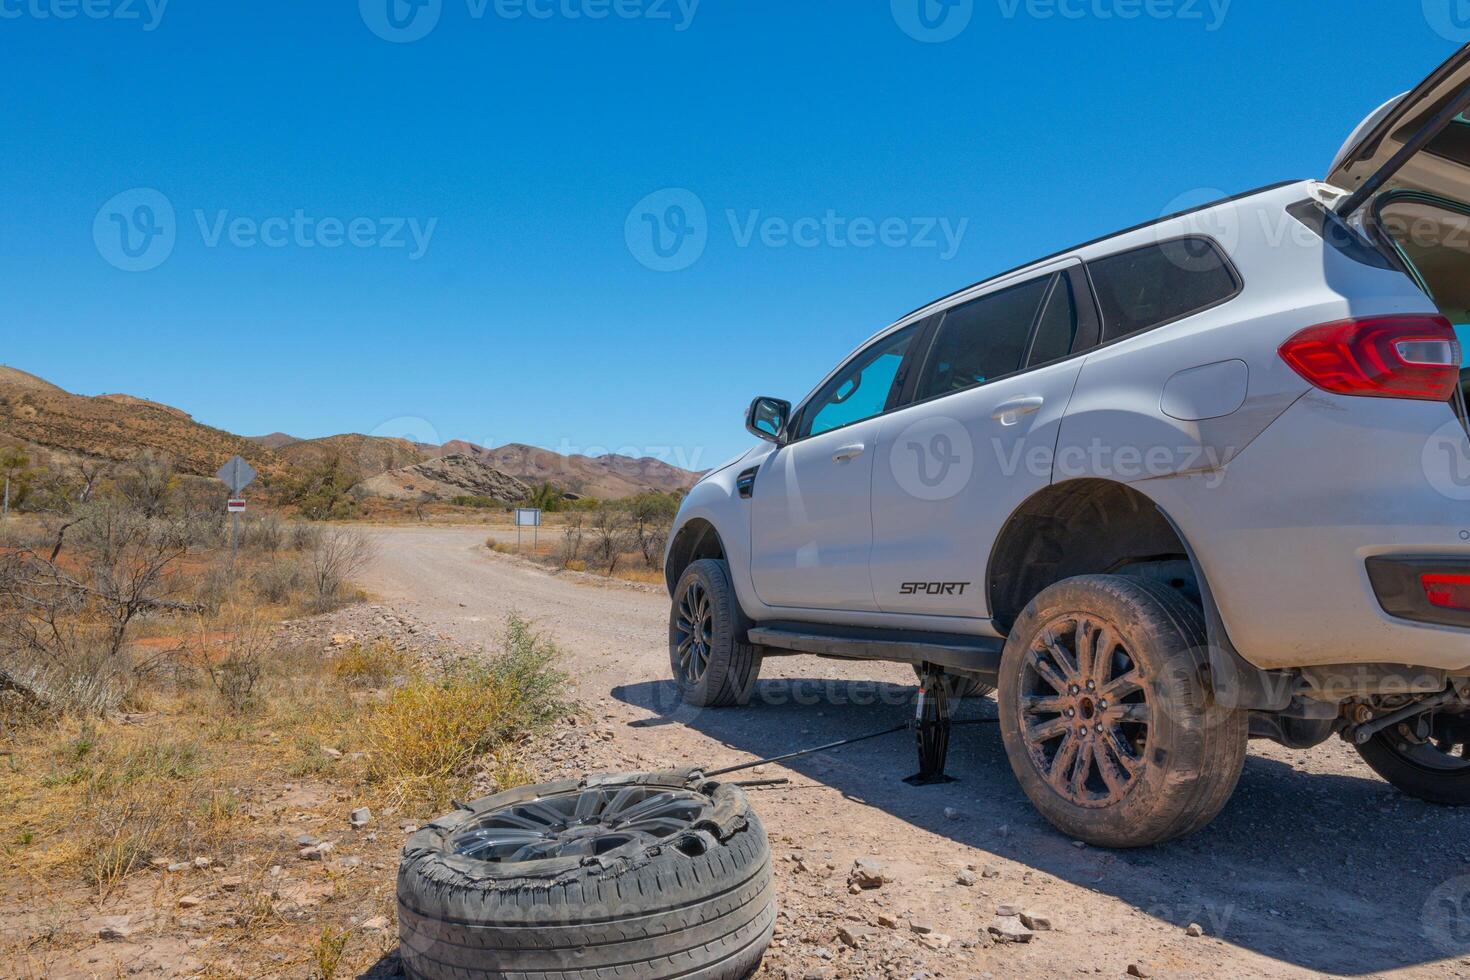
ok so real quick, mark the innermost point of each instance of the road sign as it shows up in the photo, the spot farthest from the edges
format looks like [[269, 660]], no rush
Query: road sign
[[236, 474], [528, 517], [236, 506]]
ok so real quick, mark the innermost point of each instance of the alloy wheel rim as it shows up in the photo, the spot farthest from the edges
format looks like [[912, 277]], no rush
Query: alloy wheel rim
[[580, 824], [694, 633], [1084, 711]]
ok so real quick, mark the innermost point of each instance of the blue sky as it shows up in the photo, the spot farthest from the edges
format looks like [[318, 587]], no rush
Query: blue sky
[[451, 229]]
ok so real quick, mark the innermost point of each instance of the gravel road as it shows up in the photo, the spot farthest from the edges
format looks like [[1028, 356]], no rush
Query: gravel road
[[1315, 867]]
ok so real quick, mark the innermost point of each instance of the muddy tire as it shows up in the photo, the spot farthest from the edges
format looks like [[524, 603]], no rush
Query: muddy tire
[[638, 876], [960, 685], [1123, 746], [1431, 769], [711, 661]]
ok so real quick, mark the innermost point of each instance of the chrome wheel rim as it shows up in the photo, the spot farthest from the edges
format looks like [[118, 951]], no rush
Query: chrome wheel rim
[[694, 633], [1084, 711], [579, 824]]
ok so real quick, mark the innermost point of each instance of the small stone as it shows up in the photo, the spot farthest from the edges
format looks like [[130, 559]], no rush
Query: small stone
[[936, 940], [1036, 921], [378, 923], [159, 863], [275, 871], [990, 871], [966, 878], [921, 926], [950, 813], [332, 753], [115, 930], [306, 840], [190, 901], [867, 873], [409, 828], [231, 883], [203, 862], [887, 921], [1194, 930], [1007, 909], [1008, 929], [351, 861], [853, 935], [309, 854], [340, 639], [1079, 844], [1140, 969], [360, 817], [180, 866]]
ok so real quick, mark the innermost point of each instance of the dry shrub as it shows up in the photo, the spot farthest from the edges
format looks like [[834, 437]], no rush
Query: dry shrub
[[370, 666], [339, 554], [424, 740], [278, 581], [233, 656]]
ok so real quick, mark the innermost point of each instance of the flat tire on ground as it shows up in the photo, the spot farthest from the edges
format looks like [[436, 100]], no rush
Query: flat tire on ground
[[642, 876]]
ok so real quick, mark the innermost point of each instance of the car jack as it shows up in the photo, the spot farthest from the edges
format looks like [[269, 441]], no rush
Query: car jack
[[932, 725]]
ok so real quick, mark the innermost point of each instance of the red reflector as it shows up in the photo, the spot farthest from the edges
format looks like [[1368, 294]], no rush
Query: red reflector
[[1381, 357], [1448, 591]]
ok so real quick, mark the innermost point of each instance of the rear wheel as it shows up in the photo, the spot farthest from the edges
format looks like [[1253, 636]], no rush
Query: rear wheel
[[712, 663], [1430, 763], [1107, 720]]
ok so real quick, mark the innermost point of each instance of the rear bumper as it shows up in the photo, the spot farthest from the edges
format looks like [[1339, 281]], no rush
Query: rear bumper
[[1286, 539], [1399, 585]]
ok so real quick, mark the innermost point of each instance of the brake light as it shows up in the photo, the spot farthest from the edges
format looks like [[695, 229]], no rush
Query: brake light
[[1381, 357], [1448, 591]]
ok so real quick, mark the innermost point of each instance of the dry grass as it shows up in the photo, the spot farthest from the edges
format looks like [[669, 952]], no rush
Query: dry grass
[[423, 739], [87, 807]]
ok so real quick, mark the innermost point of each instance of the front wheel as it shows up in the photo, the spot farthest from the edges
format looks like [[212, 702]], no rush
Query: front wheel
[[1106, 716], [1432, 765], [712, 663]]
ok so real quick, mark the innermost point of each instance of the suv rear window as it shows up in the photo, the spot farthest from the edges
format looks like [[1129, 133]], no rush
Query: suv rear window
[[1158, 284]]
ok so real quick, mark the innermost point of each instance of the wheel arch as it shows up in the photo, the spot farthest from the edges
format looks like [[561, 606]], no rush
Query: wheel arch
[[697, 539], [1082, 527]]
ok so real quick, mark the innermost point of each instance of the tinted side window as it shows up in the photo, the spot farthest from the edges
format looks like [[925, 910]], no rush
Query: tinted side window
[[1056, 331], [982, 340], [862, 389], [1158, 284]]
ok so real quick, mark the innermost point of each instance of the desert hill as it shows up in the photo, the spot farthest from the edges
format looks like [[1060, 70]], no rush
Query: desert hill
[[363, 457], [120, 427], [116, 427], [275, 440]]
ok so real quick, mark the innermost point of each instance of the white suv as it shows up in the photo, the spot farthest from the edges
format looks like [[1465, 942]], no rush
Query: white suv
[[1199, 481]]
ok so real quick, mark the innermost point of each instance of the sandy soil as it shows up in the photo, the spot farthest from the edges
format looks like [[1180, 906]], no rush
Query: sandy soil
[[1315, 867]]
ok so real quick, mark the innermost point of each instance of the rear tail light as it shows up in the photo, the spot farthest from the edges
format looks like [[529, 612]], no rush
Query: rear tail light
[[1382, 357], [1448, 591]]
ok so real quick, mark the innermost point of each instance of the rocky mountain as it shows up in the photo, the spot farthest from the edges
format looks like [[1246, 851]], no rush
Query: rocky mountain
[[445, 478], [606, 477]]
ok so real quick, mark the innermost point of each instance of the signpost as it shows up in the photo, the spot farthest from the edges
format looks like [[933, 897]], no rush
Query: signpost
[[528, 517], [237, 475]]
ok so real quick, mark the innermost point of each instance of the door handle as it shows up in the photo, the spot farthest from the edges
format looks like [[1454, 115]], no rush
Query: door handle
[[1011, 412], [849, 453]]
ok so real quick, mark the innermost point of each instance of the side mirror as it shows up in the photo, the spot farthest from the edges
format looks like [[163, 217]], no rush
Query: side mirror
[[767, 418]]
